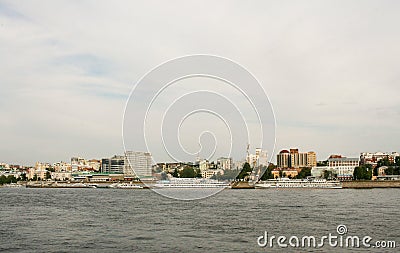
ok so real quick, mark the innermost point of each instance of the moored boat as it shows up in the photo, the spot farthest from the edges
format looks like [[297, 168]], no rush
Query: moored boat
[[299, 183], [191, 183]]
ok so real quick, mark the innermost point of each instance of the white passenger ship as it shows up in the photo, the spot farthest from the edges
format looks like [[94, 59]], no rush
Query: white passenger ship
[[191, 183], [299, 183]]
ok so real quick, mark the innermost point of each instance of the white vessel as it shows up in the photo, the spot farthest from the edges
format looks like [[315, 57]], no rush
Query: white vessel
[[80, 185], [299, 183], [128, 186], [12, 185], [191, 183]]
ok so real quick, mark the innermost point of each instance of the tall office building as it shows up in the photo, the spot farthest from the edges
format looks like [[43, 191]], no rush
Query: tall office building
[[224, 163], [114, 164], [138, 163], [257, 159], [311, 159], [284, 159], [296, 159]]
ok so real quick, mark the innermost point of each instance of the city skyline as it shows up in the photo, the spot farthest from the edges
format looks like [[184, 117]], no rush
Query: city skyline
[[278, 159], [332, 81]]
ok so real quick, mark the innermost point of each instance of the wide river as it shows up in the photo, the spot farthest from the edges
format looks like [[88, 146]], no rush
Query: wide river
[[107, 220]]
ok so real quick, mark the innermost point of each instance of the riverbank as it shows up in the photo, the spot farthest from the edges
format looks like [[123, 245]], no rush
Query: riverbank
[[371, 184], [346, 185], [236, 185]]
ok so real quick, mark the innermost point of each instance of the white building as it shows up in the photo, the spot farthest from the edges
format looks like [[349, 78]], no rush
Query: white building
[[138, 163], [341, 167], [257, 159], [39, 170], [62, 167], [209, 173], [204, 165], [61, 175], [373, 158], [224, 163], [262, 157]]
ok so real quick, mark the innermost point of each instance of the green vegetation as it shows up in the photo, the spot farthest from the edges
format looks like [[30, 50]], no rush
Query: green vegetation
[[187, 172], [7, 180], [322, 163], [228, 175], [363, 172], [23, 177], [304, 173], [393, 168], [384, 162], [268, 173], [328, 175], [245, 172]]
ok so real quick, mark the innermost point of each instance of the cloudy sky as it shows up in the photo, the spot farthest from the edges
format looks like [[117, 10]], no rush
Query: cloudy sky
[[330, 69]]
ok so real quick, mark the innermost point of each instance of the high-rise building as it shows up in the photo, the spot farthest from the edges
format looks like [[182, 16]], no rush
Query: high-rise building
[[114, 164], [262, 157], [204, 165], [311, 159], [296, 159], [257, 159], [138, 163], [284, 159], [224, 163]]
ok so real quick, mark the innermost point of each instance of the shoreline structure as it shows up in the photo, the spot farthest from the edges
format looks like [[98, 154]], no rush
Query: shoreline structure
[[367, 184]]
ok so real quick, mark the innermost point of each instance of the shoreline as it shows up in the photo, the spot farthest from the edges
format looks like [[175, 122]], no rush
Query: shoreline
[[370, 184]]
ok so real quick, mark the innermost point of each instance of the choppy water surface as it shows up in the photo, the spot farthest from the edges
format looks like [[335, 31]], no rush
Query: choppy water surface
[[105, 220]]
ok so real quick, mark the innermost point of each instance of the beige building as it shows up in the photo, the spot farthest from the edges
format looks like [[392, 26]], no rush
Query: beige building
[[209, 173], [286, 172], [296, 159], [311, 159], [39, 170]]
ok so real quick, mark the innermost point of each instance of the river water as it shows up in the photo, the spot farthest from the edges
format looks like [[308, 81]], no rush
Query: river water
[[115, 220]]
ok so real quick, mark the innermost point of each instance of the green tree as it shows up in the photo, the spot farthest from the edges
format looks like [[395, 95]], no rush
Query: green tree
[[268, 172], [227, 175], [384, 162], [198, 173], [3, 179], [35, 178], [163, 176], [397, 161], [363, 172], [376, 171], [244, 172], [304, 173], [328, 175], [48, 175], [23, 177], [188, 172], [175, 173], [392, 170], [7, 179]]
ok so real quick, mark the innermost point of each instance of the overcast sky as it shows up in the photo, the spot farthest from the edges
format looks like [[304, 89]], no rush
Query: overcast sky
[[330, 69]]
